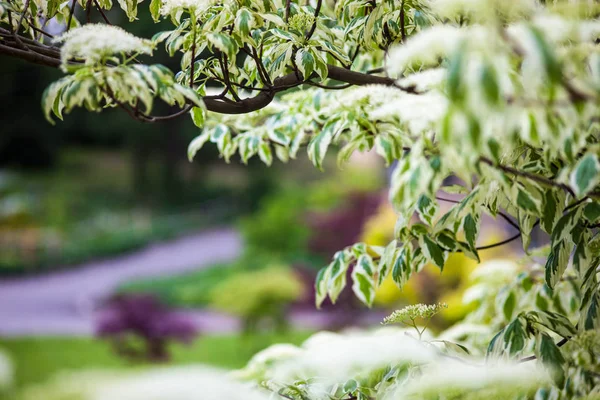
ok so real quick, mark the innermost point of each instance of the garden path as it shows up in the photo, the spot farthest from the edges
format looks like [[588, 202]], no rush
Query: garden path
[[62, 302]]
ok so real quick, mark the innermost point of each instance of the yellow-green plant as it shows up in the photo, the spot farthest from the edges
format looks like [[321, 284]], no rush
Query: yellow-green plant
[[257, 296]]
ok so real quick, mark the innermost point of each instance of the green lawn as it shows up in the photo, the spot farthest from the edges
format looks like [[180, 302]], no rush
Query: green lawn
[[37, 359]]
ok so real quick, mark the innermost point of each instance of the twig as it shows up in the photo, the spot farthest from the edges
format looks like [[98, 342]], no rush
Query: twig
[[71, 11], [225, 71], [402, 27], [101, 11], [314, 24], [25, 9], [337, 87], [537, 178], [88, 11], [288, 5], [562, 342]]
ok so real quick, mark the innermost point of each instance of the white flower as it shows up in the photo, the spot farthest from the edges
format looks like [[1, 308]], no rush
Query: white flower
[[479, 10], [93, 42], [168, 6], [424, 49], [459, 331], [475, 293], [413, 312], [495, 270], [336, 359], [442, 377], [419, 112], [424, 80], [180, 383]]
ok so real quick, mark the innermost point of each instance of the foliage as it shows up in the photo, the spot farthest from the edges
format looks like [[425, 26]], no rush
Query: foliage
[[38, 359], [6, 372], [501, 95], [141, 328], [266, 294], [181, 382], [77, 212], [185, 290]]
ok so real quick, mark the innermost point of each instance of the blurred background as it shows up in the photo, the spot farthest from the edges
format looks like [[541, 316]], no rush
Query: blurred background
[[115, 251]]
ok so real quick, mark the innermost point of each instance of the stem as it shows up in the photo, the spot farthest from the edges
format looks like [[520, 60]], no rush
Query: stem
[[71, 11], [561, 343], [102, 12], [314, 24], [537, 178]]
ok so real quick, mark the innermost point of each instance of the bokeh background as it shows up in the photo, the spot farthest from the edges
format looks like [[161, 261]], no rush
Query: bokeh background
[[115, 251]]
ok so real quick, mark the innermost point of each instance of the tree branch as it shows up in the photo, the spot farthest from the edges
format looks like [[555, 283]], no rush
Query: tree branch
[[50, 56], [537, 178]]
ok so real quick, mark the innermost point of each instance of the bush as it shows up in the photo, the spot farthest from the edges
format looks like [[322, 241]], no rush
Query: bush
[[265, 294]]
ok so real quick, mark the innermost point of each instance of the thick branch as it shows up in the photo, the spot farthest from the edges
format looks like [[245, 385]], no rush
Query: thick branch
[[49, 56], [290, 80], [30, 56]]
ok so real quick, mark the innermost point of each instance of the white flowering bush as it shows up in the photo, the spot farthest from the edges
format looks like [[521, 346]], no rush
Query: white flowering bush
[[493, 101]]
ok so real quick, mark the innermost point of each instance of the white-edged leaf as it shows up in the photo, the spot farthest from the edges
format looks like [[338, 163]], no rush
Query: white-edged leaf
[[585, 175]]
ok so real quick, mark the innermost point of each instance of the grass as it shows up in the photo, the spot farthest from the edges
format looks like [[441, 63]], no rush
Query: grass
[[38, 359]]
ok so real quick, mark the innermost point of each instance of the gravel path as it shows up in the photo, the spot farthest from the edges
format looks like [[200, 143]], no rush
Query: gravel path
[[61, 303]]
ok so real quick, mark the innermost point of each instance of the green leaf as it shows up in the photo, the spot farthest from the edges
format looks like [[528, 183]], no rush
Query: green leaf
[[317, 148], [549, 354], [549, 59], [550, 212], [489, 82], [555, 322], [565, 225], [223, 43], [585, 175], [454, 348], [362, 276], [197, 144], [515, 336], [427, 209], [264, 152], [454, 80], [51, 100], [337, 275], [509, 305], [198, 116], [155, 9], [401, 271], [305, 62], [590, 310], [432, 251], [278, 137], [527, 202], [321, 286], [297, 142], [556, 264], [471, 227], [244, 21], [386, 148], [386, 262], [591, 212]]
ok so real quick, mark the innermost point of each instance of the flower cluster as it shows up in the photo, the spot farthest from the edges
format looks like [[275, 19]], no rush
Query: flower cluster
[[301, 22], [413, 312], [94, 42], [169, 6]]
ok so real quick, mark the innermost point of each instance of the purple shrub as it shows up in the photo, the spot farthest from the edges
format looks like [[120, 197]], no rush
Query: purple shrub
[[140, 327], [334, 230]]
